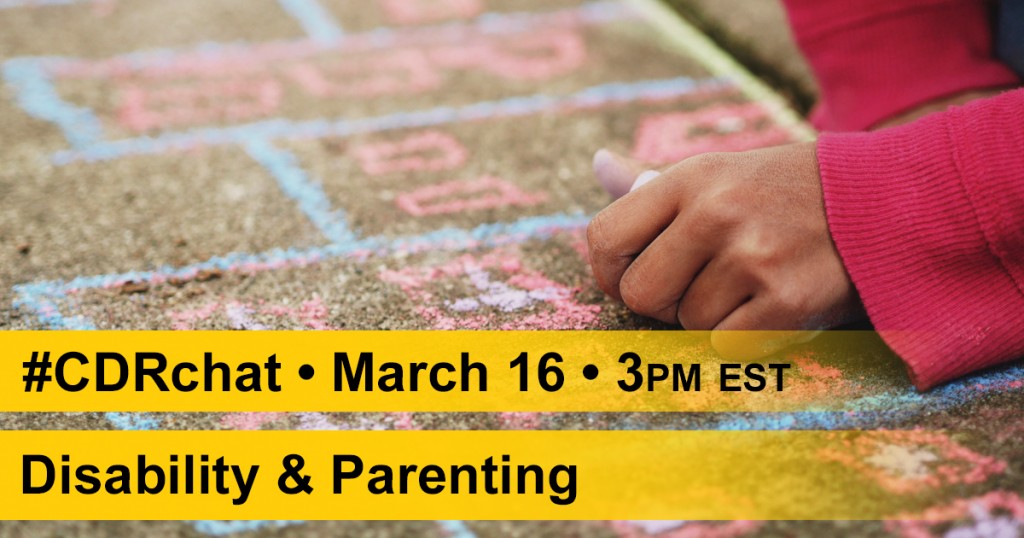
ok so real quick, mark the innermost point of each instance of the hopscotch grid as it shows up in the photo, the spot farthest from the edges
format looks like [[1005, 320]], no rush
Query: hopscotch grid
[[317, 21], [295, 183], [84, 133], [42, 297], [31, 78], [597, 12], [593, 97]]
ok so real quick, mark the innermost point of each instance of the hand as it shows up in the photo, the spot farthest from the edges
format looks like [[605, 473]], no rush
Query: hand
[[724, 241]]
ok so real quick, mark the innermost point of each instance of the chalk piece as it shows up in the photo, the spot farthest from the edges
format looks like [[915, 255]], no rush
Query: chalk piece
[[615, 173], [644, 179]]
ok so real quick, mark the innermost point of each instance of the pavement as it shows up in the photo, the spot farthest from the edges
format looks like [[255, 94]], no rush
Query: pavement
[[417, 164]]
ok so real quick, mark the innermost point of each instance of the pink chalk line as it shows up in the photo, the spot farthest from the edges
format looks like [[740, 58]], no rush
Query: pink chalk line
[[671, 137], [248, 58], [912, 461], [997, 513], [426, 151], [402, 72], [487, 192], [311, 314], [534, 57], [683, 529], [236, 93], [522, 290], [143, 108]]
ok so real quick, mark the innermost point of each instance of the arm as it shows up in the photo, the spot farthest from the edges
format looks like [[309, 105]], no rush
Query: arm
[[929, 221], [877, 58], [924, 221]]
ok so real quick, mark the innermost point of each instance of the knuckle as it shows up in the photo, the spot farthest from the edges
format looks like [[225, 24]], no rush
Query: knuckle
[[693, 318], [756, 261], [708, 163], [639, 294], [715, 210], [598, 242], [790, 305], [633, 295]]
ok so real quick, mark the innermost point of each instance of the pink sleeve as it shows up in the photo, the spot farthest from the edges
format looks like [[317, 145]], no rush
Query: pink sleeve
[[876, 58], [929, 220]]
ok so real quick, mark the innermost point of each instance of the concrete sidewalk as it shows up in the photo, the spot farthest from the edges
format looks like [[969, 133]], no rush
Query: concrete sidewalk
[[414, 164]]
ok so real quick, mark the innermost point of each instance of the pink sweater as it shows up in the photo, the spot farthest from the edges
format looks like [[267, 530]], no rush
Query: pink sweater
[[928, 217]]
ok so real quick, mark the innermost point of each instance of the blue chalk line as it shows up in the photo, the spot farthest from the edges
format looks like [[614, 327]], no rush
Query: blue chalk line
[[318, 23], [292, 179], [592, 97], [37, 96]]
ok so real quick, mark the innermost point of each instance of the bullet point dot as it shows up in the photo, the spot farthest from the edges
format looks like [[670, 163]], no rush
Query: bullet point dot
[[590, 372], [306, 372]]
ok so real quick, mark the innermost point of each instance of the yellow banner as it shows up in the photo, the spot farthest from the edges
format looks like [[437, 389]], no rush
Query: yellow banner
[[412, 475], [586, 371]]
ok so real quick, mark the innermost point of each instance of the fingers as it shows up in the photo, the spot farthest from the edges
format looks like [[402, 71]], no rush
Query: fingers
[[717, 291], [621, 175], [624, 229], [757, 329], [656, 280]]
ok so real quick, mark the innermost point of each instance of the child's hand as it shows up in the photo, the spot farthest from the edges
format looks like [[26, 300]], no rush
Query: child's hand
[[724, 241]]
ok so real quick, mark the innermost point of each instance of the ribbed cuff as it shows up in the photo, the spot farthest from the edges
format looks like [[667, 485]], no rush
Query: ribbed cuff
[[915, 249]]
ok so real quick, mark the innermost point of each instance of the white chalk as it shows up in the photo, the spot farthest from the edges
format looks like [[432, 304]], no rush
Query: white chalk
[[644, 179]]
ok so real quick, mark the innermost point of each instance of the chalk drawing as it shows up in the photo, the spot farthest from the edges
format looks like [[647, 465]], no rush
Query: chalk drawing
[[532, 57], [409, 12], [318, 23], [145, 106], [456, 529], [520, 290], [912, 461], [401, 72], [684, 529], [232, 58], [41, 298], [311, 314], [670, 137], [13, 4], [104, 8], [284, 167], [37, 96], [33, 78], [595, 97], [182, 90], [996, 514], [224, 528], [486, 192], [426, 151], [249, 421], [1011, 422], [233, 92], [520, 420]]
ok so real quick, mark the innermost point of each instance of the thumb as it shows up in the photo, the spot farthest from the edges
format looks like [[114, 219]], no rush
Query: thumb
[[616, 173]]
